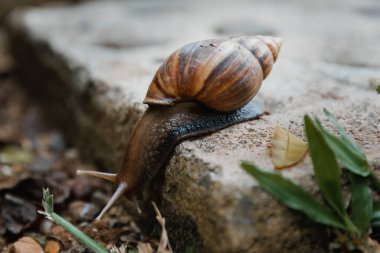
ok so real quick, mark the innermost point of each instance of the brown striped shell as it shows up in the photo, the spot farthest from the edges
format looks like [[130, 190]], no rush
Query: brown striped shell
[[223, 74]]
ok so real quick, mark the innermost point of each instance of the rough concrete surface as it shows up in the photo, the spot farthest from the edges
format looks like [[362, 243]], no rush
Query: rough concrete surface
[[92, 63]]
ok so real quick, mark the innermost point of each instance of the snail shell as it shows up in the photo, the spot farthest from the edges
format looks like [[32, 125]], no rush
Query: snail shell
[[223, 74]]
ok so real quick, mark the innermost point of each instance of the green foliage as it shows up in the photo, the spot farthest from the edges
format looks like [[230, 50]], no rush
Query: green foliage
[[378, 89], [293, 196], [327, 151], [375, 218], [13, 154], [48, 203], [326, 171], [361, 203], [345, 149]]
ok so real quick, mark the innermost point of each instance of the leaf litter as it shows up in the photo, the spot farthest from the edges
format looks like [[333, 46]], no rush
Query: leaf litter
[[34, 155]]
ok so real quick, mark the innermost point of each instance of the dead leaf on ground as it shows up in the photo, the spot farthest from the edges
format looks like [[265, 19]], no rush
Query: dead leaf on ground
[[14, 154], [17, 214], [286, 149], [374, 245], [53, 245], [11, 175], [164, 245], [6, 61], [121, 249], [143, 247], [82, 211], [57, 181], [26, 245]]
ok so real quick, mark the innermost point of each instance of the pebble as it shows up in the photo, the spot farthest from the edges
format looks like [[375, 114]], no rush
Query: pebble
[[82, 211]]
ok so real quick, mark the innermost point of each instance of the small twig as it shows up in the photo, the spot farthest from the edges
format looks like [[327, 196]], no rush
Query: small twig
[[164, 245]]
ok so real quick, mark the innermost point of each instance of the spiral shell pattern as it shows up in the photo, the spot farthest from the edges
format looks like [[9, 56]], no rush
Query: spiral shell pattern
[[223, 74]]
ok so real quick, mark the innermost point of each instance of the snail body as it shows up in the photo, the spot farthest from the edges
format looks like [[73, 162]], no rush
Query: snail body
[[201, 88]]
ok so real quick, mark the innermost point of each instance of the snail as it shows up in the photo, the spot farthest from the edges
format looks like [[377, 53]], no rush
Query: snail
[[201, 88]]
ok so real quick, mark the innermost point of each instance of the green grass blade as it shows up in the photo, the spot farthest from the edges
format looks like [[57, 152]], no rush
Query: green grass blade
[[361, 203], [48, 203], [293, 196], [82, 237], [349, 157], [326, 171]]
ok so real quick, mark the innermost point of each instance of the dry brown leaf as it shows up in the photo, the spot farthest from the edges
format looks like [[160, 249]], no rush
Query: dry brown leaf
[[164, 245], [287, 149], [121, 249], [16, 213], [26, 245], [53, 246], [143, 247], [374, 245], [11, 175], [14, 154]]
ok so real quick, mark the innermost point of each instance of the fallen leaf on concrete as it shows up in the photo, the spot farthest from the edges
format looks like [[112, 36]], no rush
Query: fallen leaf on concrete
[[17, 214], [287, 149], [26, 245]]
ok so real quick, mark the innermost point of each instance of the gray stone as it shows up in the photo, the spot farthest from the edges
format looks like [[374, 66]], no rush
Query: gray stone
[[91, 65]]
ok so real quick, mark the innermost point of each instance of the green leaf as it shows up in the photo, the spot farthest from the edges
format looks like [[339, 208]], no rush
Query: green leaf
[[361, 203], [349, 157], [293, 196], [378, 89], [376, 205], [344, 136], [325, 167], [376, 215], [375, 219], [326, 171], [375, 223], [47, 203], [82, 237], [13, 154], [375, 181]]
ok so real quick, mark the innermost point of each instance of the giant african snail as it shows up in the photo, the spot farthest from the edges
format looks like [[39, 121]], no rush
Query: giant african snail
[[221, 76]]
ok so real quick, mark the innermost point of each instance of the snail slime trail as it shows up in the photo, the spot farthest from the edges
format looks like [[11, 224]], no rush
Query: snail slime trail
[[201, 88]]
